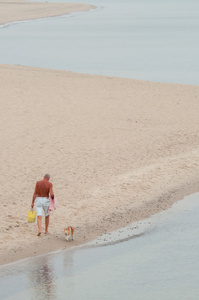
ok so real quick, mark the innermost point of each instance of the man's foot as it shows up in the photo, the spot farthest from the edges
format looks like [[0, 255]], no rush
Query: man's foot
[[46, 232], [39, 233]]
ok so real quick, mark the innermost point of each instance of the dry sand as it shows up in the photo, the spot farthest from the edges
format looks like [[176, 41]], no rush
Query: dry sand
[[14, 10], [118, 150]]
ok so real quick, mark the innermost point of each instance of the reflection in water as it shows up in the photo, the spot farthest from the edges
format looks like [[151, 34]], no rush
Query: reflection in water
[[36, 278], [43, 279], [48, 271], [161, 264]]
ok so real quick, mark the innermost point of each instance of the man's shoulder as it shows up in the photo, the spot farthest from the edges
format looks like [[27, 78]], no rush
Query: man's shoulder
[[40, 181]]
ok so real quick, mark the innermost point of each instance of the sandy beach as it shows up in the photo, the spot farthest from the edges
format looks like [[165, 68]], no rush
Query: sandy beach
[[14, 10], [118, 150]]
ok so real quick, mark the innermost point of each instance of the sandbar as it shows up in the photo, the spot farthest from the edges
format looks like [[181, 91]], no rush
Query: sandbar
[[118, 150], [14, 10]]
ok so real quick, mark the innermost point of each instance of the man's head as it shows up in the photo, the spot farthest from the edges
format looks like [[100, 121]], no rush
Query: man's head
[[46, 177]]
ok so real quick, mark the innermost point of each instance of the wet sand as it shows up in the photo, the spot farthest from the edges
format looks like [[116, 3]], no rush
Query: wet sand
[[118, 150]]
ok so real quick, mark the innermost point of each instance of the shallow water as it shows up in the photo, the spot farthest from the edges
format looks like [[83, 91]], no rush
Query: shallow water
[[150, 40], [161, 263]]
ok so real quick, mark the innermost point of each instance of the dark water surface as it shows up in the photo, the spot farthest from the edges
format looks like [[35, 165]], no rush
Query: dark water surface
[[162, 263]]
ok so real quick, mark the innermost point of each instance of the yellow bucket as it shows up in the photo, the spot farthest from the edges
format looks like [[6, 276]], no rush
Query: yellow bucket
[[31, 216]]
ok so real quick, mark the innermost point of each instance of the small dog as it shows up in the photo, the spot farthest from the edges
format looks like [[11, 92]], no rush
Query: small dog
[[68, 231]]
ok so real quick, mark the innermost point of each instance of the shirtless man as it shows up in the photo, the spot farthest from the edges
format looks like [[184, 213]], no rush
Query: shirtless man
[[43, 190]]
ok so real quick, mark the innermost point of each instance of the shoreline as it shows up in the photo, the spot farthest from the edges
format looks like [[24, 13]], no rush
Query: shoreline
[[115, 235], [89, 241], [116, 159], [15, 11]]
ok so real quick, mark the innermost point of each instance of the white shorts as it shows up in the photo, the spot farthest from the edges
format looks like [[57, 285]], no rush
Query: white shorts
[[42, 204]]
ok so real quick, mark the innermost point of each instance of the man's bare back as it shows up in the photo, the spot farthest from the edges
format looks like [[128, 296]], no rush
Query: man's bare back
[[43, 188]]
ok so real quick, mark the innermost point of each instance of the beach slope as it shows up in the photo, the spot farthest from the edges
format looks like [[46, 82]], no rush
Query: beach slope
[[118, 150]]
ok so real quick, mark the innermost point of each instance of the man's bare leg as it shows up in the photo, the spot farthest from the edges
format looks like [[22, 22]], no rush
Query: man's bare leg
[[39, 224], [46, 224]]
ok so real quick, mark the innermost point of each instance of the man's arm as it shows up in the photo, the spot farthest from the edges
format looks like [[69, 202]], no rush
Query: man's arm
[[34, 196], [51, 191]]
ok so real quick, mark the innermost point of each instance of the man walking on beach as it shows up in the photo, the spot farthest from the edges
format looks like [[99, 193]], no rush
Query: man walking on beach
[[43, 190]]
